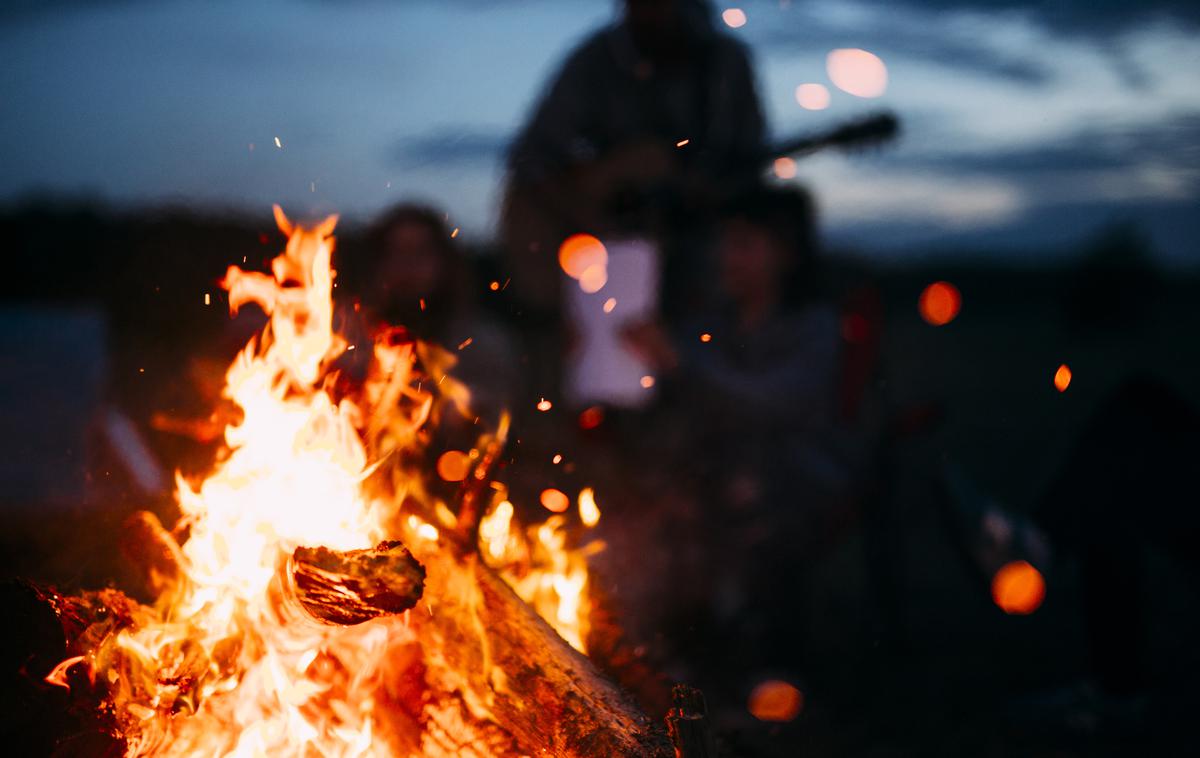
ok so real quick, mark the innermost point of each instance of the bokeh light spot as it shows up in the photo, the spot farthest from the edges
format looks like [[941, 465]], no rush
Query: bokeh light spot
[[1062, 378], [858, 72], [813, 97], [785, 168], [590, 418], [939, 303], [775, 700], [579, 252], [593, 278], [734, 17], [1018, 588], [555, 501], [453, 465]]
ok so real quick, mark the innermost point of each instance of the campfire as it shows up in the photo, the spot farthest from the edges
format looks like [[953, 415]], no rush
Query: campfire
[[314, 598]]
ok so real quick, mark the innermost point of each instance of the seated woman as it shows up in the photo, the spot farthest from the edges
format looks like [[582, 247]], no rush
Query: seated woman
[[751, 388]]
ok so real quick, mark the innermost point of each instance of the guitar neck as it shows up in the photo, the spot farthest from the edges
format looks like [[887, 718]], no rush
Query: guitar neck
[[797, 148], [872, 130]]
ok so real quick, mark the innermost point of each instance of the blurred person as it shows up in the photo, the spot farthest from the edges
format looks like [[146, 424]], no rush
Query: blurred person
[[420, 279], [751, 395], [643, 125]]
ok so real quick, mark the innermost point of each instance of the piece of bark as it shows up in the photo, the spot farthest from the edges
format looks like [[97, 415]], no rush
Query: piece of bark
[[687, 724], [512, 668], [349, 587]]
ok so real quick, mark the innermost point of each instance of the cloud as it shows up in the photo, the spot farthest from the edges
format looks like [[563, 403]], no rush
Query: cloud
[[900, 32], [1077, 16], [1092, 147]]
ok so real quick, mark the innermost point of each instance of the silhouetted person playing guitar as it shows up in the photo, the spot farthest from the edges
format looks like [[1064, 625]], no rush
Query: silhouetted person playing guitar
[[648, 128], [645, 120]]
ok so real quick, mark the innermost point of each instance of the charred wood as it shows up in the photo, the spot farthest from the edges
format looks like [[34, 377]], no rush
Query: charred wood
[[512, 668], [349, 587], [687, 724]]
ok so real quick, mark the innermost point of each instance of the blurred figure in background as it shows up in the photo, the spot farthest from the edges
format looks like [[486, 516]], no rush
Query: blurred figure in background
[[750, 406], [421, 280], [643, 126]]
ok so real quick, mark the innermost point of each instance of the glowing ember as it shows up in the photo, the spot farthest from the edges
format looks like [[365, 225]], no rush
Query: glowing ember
[[1062, 378], [939, 303], [775, 700], [555, 501], [1018, 588]]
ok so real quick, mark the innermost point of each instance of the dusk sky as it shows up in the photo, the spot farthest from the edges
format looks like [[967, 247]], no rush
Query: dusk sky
[[1026, 129]]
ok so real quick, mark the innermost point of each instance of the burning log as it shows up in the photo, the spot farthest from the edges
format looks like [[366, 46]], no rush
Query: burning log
[[336, 587], [345, 588], [512, 668], [217, 666]]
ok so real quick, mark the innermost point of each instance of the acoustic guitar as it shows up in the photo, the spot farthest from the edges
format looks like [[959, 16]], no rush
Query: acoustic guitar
[[535, 219]]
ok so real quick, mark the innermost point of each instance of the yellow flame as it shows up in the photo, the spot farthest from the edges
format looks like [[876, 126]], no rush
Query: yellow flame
[[542, 567], [223, 644], [223, 665], [589, 512]]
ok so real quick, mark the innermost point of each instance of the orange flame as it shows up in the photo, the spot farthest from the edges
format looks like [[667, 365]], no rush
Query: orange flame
[[222, 665]]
